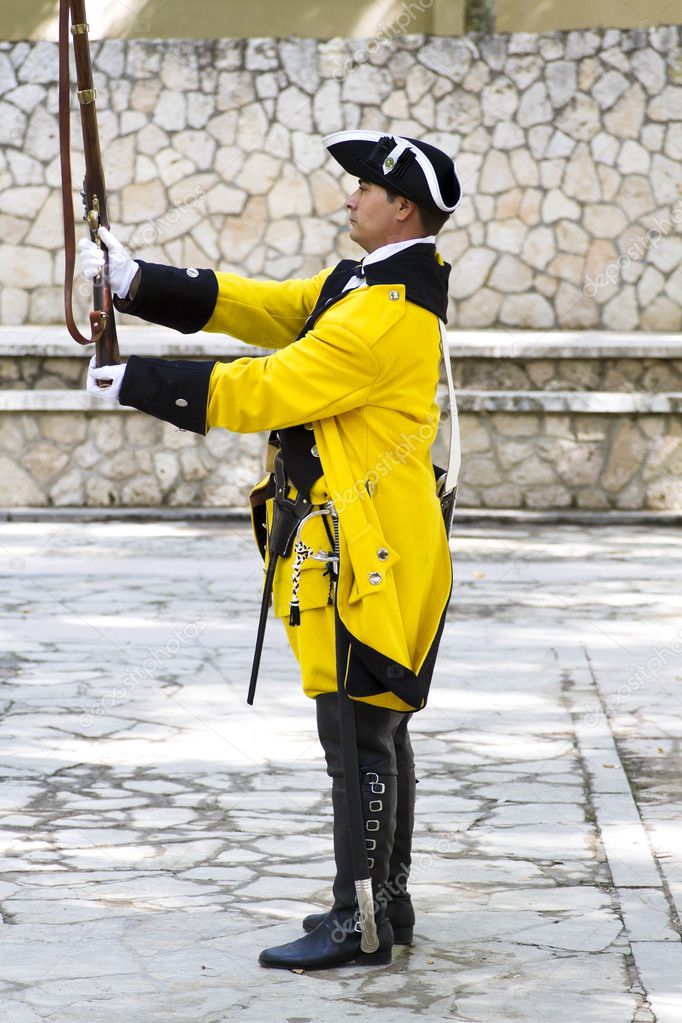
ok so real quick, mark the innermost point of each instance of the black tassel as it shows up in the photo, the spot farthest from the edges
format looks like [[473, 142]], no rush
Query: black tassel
[[294, 614]]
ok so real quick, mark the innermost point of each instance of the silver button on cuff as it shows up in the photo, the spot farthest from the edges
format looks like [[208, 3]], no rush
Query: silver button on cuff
[[181, 402], [382, 554], [191, 272], [314, 451], [394, 295], [374, 578]]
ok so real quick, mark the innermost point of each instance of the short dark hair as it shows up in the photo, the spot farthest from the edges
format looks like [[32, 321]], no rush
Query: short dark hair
[[432, 219]]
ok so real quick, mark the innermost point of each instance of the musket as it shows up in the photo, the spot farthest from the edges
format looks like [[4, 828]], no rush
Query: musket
[[102, 323]]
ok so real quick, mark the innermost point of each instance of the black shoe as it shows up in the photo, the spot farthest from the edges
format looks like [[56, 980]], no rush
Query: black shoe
[[400, 912], [333, 943]]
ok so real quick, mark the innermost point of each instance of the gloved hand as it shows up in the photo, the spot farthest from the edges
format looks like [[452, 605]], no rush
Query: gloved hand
[[113, 374], [122, 268]]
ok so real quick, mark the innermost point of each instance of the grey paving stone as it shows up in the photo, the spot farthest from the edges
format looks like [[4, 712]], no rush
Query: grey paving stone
[[155, 833]]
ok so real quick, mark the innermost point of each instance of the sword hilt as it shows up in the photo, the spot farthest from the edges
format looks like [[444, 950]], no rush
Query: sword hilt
[[370, 939]]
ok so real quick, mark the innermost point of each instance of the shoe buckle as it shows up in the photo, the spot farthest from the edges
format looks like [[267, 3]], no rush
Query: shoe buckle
[[377, 788], [372, 825], [375, 805], [370, 844]]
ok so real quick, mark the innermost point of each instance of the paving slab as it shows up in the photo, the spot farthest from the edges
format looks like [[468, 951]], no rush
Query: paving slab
[[156, 832]]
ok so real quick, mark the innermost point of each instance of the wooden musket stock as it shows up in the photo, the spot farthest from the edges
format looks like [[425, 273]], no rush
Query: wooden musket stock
[[102, 324]]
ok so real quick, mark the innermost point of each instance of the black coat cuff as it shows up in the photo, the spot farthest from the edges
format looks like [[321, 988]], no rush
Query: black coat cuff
[[173, 390], [181, 299]]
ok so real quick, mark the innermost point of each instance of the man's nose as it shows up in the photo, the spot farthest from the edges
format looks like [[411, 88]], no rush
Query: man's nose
[[351, 201]]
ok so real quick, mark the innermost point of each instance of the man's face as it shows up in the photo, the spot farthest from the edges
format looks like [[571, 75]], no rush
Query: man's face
[[372, 217]]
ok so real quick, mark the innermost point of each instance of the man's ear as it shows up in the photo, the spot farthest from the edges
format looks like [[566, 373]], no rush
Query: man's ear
[[404, 208]]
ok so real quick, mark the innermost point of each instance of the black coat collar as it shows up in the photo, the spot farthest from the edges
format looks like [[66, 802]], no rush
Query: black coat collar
[[424, 278]]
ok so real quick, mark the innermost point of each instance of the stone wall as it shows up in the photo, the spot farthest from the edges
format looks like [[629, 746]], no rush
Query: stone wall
[[568, 145], [586, 422]]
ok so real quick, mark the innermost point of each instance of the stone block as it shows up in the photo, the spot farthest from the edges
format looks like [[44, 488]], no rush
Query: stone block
[[17, 487], [561, 79], [557, 206], [141, 492], [524, 168], [290, 195], [470, 272], [510, 275], [508, 204], [673, 141], [507, 236], [503, 496], [480, 471], [666, 105], [626, 455], [508, 136], [581, 181], [480, 309], [68, 490], [662, 314], [515, 424], [170, 111], [460, 113], [25, 266], [142, 202], [499, 102], [626, 117], [575, 310], [609, 89], [529, 210], [531, 311], [532, 472], [179, 68], [447, 56], [666, 181], [579, 463], [535, 107], [510, 453], [474, 435], [663, 495], [548, 497], [580, 118], [622, 311]]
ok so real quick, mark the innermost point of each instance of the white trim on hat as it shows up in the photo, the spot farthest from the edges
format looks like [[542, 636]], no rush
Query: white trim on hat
[[401, 144]]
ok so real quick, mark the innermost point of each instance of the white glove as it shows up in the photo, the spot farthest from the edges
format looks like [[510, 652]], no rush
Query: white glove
[[122, 268], [112, 376]]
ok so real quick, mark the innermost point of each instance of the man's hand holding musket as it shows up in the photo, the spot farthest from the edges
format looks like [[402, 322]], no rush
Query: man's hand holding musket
[[363, 574]]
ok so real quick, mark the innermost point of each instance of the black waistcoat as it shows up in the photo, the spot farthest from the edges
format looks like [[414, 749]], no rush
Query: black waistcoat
[[426, 285]]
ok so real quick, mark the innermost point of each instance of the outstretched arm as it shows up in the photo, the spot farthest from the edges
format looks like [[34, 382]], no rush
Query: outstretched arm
[[269, 314]]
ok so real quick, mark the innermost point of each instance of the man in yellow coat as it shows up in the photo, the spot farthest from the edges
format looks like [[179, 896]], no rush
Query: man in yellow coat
[[349, 396]]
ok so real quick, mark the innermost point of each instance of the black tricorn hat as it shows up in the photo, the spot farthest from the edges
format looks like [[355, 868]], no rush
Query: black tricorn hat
[[417, 170]]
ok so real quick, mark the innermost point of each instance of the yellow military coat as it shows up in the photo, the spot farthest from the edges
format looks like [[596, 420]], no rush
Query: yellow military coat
[[365, 379]]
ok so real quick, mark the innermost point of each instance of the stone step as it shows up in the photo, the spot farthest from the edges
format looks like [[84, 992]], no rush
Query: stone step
[[53, 341], [544, 402]]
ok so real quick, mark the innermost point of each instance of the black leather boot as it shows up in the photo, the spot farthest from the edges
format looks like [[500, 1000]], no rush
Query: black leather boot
[[398, 901], [399, 908], [336, 940]]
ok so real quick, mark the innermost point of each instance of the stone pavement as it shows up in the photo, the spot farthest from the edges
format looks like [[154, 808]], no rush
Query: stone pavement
[[156, 832]]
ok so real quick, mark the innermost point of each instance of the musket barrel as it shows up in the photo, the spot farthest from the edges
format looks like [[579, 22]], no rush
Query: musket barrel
[[102, 320]]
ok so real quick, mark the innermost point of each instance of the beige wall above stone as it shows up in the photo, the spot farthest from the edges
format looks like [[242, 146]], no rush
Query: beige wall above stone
[[324, 19]]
